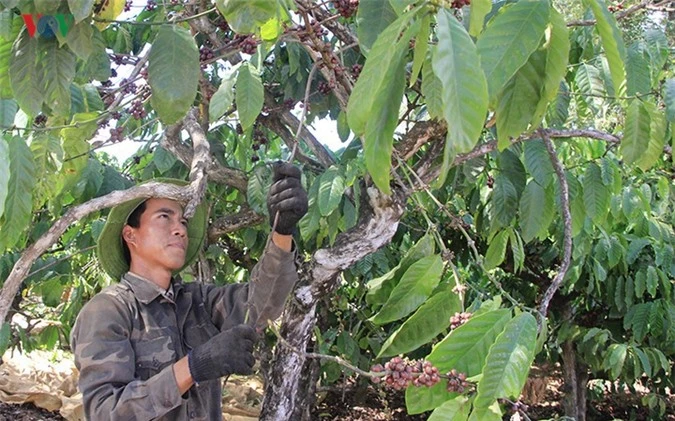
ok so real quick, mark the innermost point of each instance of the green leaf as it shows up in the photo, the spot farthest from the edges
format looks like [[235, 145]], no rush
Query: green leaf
[[379, 289], [343, 126], [536, 211], [489, 413], [163, 159], [57, 76], [657, 137], [456, 63], [221, 101], [612, 42], [538, 162], [638, 77], [637, 319], [479, 9], [456, 409], [379, 130], [331, 188], [615, 358], [372, 18], [596, 194], [497, 250], [98, 65], [517, 250], [508, 362], [385, 55], [4, 173], [518, 101], [512, 167], [588, 80], [249, 96], [421, 399], [80, 9], [432, 90], [509, 40], [309, 224], [652, 281], [425, 324], [421, 47], [8, 110], [415, 286], [256, 190], [173, 72], [669, 99], [244, 16], [9, 29], [504, 200], [636, 132], [80, 41], [51, 291], [25, 74], [19, 202], [5, 336], [85, 99], [466, 347], [557, 56]]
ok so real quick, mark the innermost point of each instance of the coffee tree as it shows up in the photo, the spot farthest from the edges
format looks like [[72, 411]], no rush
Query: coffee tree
[[503, 191]]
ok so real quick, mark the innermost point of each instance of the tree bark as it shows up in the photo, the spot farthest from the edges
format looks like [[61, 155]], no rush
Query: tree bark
[[289, 392]]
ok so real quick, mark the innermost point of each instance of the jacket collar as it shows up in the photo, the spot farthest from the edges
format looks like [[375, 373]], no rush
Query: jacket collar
[[145, 290]]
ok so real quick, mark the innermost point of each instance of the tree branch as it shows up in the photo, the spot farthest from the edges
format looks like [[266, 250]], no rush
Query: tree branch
[[567, 221], [232, 177], [246, 217], [312, 142], [200, 158]]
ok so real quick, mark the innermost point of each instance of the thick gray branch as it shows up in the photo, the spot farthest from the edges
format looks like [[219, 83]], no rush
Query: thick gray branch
[[200, 159], [567, 221], [222, 175], [233, 222]]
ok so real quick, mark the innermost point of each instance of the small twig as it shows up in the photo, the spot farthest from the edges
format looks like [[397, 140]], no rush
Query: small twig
[[620, 15], [567, 220]]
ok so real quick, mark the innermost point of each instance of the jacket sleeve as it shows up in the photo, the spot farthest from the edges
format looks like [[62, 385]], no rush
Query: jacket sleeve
[[272, 279], [106, 361]]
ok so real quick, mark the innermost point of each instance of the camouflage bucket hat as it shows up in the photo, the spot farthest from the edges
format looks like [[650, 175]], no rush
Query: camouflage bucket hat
[[110, 251]]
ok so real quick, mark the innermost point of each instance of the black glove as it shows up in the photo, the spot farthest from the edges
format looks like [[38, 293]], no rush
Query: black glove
[[287, 197], [229, 352]]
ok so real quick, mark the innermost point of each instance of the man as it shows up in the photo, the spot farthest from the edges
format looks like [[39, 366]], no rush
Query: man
[[151, 347]]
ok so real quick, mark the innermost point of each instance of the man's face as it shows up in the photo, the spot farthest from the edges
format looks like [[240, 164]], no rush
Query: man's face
[[160, 242]]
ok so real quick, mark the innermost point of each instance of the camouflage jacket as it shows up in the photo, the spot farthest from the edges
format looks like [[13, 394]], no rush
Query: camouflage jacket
[[127, 338]]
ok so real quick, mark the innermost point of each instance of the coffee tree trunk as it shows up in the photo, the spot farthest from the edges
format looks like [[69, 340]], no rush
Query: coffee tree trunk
[[289, 392]]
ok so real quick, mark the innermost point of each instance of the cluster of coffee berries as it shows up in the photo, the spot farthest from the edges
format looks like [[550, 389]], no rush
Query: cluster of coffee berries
[[40, 120], [326, 88], [428, 374], [128, 87], [205, 54], [457, 381], [400, 373], [616, 8], [116, 134], [346, 8], [222, 24], [459, 319], [127, 5], [289, 103], [137, 111], [247, 44], [458, 4], [356, 70], [152, 4], [144, 73], [259, 139]]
